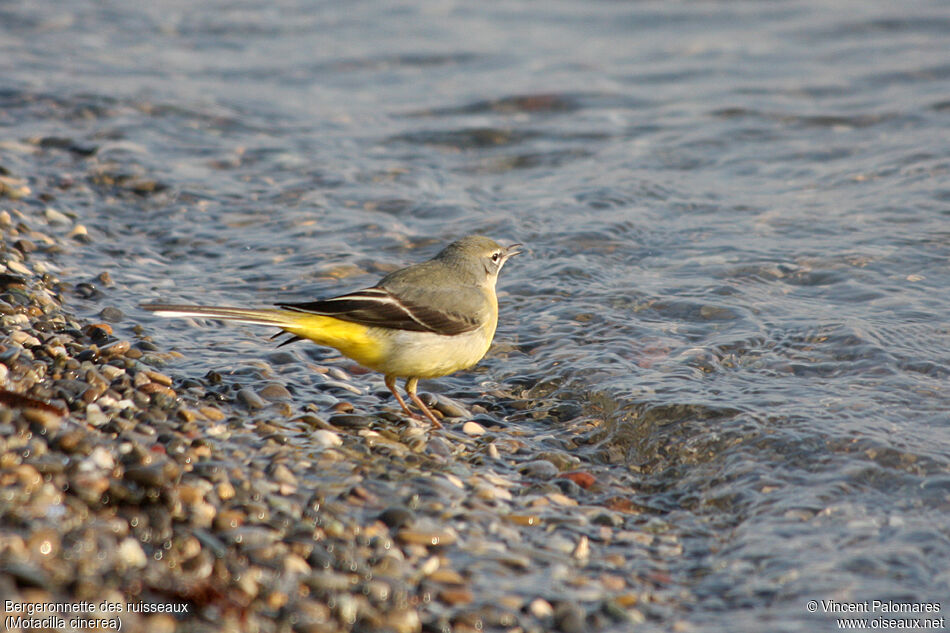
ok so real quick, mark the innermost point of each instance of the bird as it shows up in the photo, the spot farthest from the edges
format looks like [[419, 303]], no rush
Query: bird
[[427, 320]]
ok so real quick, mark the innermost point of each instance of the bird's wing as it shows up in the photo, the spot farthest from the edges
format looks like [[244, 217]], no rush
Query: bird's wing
[[382, 308]]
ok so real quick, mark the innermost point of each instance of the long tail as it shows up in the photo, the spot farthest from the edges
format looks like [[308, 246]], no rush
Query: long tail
[[266, 316], [354, 340]]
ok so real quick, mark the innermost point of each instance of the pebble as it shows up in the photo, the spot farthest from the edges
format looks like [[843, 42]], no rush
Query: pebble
[[570, 618], [158, 377], [581, 553], [118, 348], [326, 439], [342, 385], [539, 469], [251, 400], [426, 537], [56, 217], [275, 392], [447, 576], [111, 372], [404, 621], [450, 408], [456, 596], [79, 232], [111, 314], [350, 421], [131, 554], [212, 413], [397, 517], [47, 421], [541, 609], [473, 429], [527, 520]]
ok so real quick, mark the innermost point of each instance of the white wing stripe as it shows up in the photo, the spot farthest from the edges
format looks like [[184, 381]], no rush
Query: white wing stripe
[[378, 297]]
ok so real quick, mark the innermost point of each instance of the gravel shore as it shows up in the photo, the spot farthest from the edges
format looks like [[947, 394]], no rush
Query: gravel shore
[[131, 496]]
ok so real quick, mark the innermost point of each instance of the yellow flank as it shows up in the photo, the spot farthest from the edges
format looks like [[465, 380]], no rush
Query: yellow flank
[[393, 352], [351, 339]]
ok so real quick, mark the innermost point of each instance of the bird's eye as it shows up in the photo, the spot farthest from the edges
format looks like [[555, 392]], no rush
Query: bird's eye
[[495, 256]]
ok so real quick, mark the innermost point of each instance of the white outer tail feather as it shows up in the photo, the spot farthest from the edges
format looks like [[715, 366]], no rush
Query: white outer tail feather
[[273, 317]]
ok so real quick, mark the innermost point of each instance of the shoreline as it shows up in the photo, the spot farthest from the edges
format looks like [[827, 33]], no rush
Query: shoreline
[[122, 485]]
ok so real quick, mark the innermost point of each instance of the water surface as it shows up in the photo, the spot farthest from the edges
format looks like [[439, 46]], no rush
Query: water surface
[[736, 215]]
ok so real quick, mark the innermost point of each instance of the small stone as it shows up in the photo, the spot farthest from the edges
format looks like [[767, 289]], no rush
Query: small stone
[[56, 217], [489, 492], [327, 439], [540, 608], [111, 372], [251, 400], [350, 421], [14, 188], [111, 314], [282, 474], [161, 623], [118, 348], [212, 413], [581, 553], [25, 339], [152, 475], [539, 469], [225, 490], [45, 419], [24, 246], [450, 408], [186, 414], [581, 478], [570, 618], [426, 537], [131, 553], [447, 576], [275, 392], [561, 500], [102, 458], [404, 621], [155, 388], [79, 232], [473, 429], [294, 564], [456, 596], [527, 520], [158, 377], [397, 517]]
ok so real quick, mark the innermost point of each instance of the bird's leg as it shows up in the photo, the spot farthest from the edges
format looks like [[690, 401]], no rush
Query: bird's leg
[[391, 384], [411, 390]]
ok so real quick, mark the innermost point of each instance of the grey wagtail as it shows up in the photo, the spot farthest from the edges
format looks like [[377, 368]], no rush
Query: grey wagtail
[[424, 321]]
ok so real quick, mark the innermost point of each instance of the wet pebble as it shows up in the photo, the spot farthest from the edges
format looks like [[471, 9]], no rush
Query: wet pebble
[[327, 439], [397, 517], [275, 392], [426, 537], [538, 469], [350, 421], [541, 609], [450, 408], [111, 314], [250, 399], [570, 618], [473, 429]]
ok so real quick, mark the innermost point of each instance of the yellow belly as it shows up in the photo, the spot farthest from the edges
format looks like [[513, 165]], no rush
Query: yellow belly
[[400, 353]]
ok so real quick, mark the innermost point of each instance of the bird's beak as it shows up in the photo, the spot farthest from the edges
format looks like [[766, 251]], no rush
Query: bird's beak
[[513, 250]]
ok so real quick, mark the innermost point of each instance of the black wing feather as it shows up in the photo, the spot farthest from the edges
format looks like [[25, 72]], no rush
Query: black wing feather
[[378, 307]]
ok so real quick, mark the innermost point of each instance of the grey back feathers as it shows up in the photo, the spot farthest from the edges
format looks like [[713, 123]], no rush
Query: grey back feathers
[[445, 295]]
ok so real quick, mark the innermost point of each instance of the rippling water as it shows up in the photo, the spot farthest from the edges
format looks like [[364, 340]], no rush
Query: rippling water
[[738, 217]]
